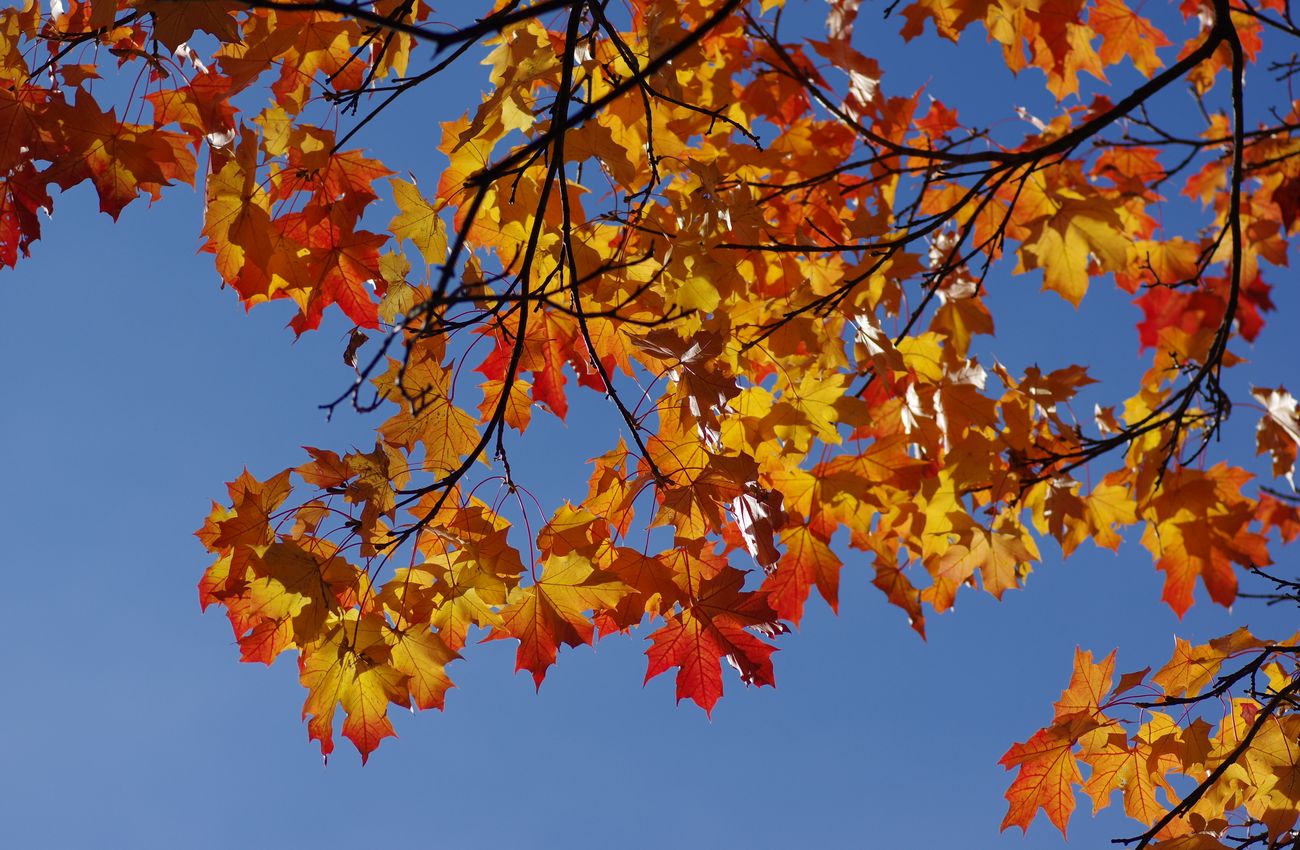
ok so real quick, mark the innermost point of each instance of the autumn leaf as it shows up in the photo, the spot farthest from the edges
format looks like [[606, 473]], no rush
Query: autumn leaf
[[418, 221], [122, 160], [342, 266], [1098, 516], [1047, 773], [1126, 33], [248, 521], [469, 593], [1080, 230], [175, 23], [807, 562], [350, 667], [1193, 667], [305, 586], [693, 366], [1200, 530], [1047, 763], [428, 416], [1001, 557], [237, 223], [549, 347], [202, 108], [653, 590], [1138, 769], [710, 629], [421, 656], [808, 411], [551, 612], [1089, 685], [1278, 433], [612, 491], [518, 411]]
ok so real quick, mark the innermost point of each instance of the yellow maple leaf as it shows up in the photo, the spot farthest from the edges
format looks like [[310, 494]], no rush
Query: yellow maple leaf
[[1081, 229], [808, 411], [349, 667], [418, 221]]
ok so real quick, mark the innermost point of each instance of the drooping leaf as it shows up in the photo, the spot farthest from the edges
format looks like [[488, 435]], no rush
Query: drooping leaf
[[551, 612]]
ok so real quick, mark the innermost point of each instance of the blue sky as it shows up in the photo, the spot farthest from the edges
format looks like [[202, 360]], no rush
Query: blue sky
[[136, 387]]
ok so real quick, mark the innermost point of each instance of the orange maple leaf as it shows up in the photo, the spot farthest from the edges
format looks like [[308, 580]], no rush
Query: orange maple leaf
[[552, 612], [807, 562], [1048, 772], [710, 628], [350, 667]]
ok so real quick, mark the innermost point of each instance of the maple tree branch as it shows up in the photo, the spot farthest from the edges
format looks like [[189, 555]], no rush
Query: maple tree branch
[[397, 90], [497, 420], [1210, 369], [561, 122], [643, 85], [998, 159], [511, 164], [566, 230], [545, 139], [1224, 683], [1059, 145], [489, 25], [1285, 590], [1186, 803], [1288, 27], [72, 40], [1175, 411]]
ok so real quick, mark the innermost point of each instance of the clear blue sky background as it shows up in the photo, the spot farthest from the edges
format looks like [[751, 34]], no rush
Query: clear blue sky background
[[135, 387]]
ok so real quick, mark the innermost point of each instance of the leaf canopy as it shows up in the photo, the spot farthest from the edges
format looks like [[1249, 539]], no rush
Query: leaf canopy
[[771, 274]]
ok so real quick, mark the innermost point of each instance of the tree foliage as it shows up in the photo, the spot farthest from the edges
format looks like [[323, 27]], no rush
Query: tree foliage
[[772, 272]]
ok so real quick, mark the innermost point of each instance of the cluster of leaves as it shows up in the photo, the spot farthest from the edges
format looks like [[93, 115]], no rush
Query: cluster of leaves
[[772, 271], [1234, 783]]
